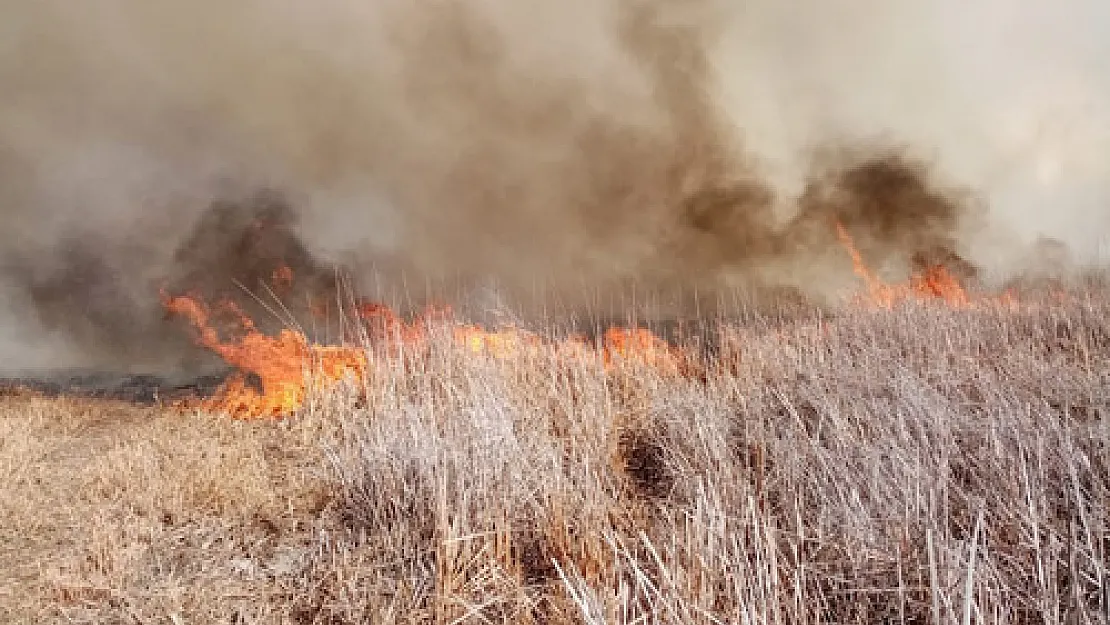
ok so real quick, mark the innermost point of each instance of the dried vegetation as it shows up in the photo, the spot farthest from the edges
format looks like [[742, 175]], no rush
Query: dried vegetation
[[923, 464]]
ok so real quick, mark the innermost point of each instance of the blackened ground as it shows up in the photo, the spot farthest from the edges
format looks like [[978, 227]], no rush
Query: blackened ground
[[141, 389]]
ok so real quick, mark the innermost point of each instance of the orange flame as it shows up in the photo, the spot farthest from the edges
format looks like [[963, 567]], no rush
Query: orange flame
[[498, 344], [282, 278], [280, 362], [638, 345], [936, 282], [283, 363]]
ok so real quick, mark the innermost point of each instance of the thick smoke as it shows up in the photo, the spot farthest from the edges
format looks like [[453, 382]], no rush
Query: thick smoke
[[560, 151]]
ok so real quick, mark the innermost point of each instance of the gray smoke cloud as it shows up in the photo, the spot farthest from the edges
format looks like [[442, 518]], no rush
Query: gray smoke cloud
[[558, 150]]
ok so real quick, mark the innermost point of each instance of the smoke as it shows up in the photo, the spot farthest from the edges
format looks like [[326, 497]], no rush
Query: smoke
[[559, 151]]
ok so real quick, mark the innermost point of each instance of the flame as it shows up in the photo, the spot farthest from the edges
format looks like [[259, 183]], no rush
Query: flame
[[638, 345], [879, 292], [282, 278], [283, 363], [936, 282], [502, 344], [280, 362]]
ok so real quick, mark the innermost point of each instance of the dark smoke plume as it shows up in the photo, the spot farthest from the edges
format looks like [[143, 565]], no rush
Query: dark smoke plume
[[562, 152]]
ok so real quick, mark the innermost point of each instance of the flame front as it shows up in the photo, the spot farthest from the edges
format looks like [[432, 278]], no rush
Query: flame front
[[283, 363], [280, 362], [936, 282]]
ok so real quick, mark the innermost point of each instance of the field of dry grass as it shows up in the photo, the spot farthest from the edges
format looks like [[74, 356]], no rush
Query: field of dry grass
[[918, 465]]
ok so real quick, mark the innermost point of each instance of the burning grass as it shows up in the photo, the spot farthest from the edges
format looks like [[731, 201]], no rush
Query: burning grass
[[281, 363], [284, 363], [914, 463]]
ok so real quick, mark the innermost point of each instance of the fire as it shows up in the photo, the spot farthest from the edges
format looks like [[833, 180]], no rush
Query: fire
[[280, 362], [938, 282], [282, 278], [935, 282], [498, 344], [879, 291], [283, 363], [638, 345]]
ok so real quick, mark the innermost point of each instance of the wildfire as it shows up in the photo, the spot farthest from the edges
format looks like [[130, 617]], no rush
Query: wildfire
[[936, 282], [637, 345], [499, 344], [284, 363], [282, 278], [281, 365], [280, 362]]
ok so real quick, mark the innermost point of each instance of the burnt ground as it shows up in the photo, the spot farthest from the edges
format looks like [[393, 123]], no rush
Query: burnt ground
[[136, 388]]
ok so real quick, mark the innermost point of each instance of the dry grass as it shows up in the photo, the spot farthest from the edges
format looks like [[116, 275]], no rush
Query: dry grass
[[909, 466]]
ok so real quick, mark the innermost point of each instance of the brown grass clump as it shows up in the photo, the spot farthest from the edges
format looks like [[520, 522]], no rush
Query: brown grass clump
[[916, 465]]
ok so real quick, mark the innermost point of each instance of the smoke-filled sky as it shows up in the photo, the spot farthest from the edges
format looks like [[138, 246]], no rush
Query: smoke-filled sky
[[550, 147]]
